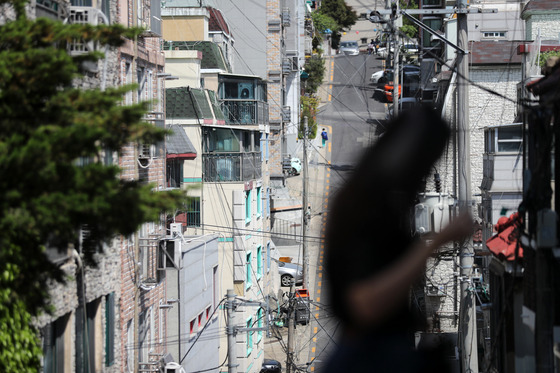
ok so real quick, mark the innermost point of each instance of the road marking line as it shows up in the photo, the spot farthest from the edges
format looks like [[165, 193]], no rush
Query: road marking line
[[314, 339], [316, 315], [318, 291], [312, 369], [320, 274], [313, 350], [319, 283], [318, 299], [315, 330]]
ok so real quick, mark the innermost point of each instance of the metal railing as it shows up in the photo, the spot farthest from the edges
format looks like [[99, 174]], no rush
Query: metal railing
[[234, 167], [245, 111]]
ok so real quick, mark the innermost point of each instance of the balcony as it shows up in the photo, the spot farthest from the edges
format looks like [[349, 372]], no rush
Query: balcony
[[250, 112], [232, 167]]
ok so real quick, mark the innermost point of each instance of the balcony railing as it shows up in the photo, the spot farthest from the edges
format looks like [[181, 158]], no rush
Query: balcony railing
[[245, 111], [233, 167]]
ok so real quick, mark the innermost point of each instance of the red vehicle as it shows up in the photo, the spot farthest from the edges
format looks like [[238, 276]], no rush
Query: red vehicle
[[389, 91]]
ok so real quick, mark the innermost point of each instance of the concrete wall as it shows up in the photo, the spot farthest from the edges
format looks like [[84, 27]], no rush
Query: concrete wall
[[506, 19], [185, 65], [184, 24], [548, 24], [196, 289]]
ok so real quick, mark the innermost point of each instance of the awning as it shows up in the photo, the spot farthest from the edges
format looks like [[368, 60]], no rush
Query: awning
[[178, 144], [505, 243]]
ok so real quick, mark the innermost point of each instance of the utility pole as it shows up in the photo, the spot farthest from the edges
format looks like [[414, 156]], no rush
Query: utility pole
[[468, 310], [291, 324], [305, 207], [230, 330], [396, 57]]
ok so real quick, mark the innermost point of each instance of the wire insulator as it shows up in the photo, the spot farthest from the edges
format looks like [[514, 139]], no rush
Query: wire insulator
[[437, 182]]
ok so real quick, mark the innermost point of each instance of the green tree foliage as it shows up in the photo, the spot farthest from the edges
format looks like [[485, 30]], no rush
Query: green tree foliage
[[408, 28], [323, 22], [315, 67], [309, 109], [544, 56], [46, 126], [342, 13]]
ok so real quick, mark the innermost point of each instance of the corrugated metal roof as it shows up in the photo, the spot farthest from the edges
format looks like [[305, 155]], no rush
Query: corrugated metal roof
[[494, 52], [178, 144]]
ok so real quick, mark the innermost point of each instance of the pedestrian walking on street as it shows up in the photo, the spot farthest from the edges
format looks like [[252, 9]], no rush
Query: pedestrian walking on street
[[372, 257], [324, 138]]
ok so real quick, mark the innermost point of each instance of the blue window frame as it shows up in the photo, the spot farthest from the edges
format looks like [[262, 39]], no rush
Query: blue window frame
[[259, 202], [268, 256], [259, 262], [247, 206], [260, 317], [249, 341], [249, 270]]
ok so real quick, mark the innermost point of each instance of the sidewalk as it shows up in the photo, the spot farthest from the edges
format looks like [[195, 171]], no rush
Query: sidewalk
[[318, 173]]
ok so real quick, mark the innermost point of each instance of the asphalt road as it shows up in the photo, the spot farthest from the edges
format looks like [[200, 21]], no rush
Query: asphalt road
[[355, 118]]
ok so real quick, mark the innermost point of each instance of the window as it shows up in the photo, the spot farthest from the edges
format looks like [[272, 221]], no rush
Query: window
[[249, 336], [208, 312], [130, 346], [509, 139], [493, 34], [150, 90], [87, 328], [141, 79], [247, 141], [247, 206], [248, 269], [192, 324], [193, 212], [200, 319], [110, 329], [222, 140], [268, 256], [259, 262], [259, 202], [260, 317], [436, 25], [53, 345], [174, 173], [257, 142], [128, 80], [504, 139]]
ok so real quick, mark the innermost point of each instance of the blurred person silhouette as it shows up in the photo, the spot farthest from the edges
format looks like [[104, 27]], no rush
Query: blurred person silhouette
[[372, 256]]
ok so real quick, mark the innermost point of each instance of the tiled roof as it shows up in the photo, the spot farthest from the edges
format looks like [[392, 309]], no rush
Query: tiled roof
[[178, 144], [212, 57], [540, 5], [494, 52], [217, 21], [192, 103]]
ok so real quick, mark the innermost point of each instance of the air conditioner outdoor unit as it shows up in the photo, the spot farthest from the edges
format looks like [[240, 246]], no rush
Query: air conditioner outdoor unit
[[245, 91], [145, 151], [85, 15], [175, 229]]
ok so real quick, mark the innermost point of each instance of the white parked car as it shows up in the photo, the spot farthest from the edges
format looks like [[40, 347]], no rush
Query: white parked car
[[349, 48], [375, 76]]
